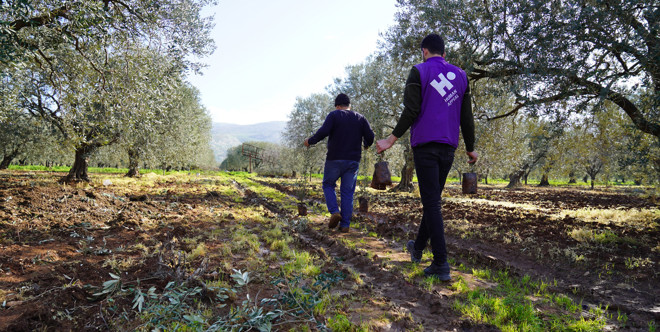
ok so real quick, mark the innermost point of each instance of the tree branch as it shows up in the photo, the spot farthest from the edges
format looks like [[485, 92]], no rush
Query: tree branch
[[77, 46], [127, 8], [40, 20], [620, 100], [592, 88], [550, 99]]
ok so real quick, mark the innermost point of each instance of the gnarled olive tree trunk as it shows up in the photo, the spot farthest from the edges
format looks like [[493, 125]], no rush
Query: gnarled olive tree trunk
[[407, 172], [133, 163], [571, 177], [78, 172], [514, 179], [6, 160]]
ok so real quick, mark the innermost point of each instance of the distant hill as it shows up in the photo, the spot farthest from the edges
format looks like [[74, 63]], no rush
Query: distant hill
[[227, 135]]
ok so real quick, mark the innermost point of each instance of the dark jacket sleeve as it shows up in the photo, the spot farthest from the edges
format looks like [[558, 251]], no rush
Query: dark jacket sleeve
[[412, 103], [467, 120], [324, 131], [367, 133]]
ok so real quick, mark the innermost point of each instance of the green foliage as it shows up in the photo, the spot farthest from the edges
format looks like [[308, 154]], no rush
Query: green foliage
[[30, 29], [269, 156], [306, 118], [177, 306], [523, 46], [339, 323], [510, 307], [103, 72]]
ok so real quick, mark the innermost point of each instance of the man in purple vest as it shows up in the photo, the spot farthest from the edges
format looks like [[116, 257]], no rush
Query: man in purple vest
[[346, 131], [436, 104]]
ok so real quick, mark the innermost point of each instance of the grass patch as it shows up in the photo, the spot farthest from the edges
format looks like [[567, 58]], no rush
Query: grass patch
[[460, 285], [509, 313], [515, 305], [339, 323], [199, 251], [244, 241], [302, 262], [642, 219], [588, 235]]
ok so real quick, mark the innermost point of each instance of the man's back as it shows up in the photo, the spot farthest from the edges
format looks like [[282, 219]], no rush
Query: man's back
[[443, 87], [346, 131]]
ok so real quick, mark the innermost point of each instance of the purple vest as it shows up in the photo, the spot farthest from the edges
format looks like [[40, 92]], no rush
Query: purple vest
[[443, 87]]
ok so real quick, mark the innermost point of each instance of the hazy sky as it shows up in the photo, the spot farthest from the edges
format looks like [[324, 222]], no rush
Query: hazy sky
[[270, 52]]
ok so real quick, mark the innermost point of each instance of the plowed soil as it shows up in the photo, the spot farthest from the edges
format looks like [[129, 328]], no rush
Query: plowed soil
[[528, 232], [58, 244]]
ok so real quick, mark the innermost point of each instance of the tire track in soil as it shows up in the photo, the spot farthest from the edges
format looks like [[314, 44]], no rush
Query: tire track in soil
[[430, 309], [638, 304], [586, 288]]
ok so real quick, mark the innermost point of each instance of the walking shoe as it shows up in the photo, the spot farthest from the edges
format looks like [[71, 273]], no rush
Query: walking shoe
[[439, 271], [415, 255], [335, 218], [344, 229]]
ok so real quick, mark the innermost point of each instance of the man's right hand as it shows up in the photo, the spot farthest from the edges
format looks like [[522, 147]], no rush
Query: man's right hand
[[306, 142], [473, 157], [385, 144]]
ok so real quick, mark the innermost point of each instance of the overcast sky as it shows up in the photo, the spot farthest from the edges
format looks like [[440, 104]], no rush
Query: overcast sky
[[270, 52]]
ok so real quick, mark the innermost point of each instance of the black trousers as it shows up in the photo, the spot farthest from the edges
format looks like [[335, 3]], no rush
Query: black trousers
[[432, 163]]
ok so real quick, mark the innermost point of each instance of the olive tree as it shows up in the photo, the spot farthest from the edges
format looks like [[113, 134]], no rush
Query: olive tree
[[268, 158], [24, 137], [186, 142], [549, 51], [30, 29], [305, 119], [79, 68]]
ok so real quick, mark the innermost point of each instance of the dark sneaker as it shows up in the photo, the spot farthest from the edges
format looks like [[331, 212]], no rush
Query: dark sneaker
[[415, 255], [344, 229], [439, 271], [335, 218]]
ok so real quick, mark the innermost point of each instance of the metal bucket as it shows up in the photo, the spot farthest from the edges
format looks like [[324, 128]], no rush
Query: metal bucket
[[469, 183], [364, 204], [302, 209], [382, 176]]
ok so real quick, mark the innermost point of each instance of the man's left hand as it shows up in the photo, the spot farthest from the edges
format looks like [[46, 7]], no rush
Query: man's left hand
[[473, 157], [306, 142]]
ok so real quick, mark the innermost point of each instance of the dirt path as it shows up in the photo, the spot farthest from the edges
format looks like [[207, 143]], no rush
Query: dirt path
[[395, 220], [59, 244], [430, 309]]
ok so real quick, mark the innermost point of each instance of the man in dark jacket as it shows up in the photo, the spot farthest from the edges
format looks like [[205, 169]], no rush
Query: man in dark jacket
[[436, 103], [346, 130]]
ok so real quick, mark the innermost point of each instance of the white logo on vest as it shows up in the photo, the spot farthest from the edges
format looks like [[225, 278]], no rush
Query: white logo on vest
[[446, 84]]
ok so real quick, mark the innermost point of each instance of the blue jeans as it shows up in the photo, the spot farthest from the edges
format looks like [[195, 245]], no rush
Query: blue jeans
[[432, 164], [347, 170]]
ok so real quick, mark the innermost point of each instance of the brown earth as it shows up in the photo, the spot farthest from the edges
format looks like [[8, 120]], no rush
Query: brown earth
[[56, 242], [532, 238]]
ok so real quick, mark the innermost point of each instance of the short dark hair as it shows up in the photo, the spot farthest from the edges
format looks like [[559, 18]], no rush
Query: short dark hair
[[342, 100], [434, 43]]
